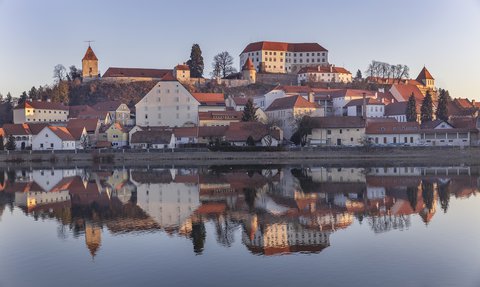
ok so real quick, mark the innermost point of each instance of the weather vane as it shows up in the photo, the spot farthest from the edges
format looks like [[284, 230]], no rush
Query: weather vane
[[89, 41]]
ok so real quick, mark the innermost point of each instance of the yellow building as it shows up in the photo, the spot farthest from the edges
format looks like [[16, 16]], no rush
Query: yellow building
[[117, 135], [93, 238], [337, 131]]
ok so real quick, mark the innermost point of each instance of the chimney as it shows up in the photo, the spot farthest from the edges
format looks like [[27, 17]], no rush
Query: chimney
[[311, 97], [331, 68], [318, 68], [364, 106]]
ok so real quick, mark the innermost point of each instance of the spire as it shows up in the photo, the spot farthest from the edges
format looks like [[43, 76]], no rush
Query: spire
[[248, 65], [424, 75], [90, 55]]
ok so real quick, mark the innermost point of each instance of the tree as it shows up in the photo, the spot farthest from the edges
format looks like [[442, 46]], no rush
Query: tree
[[59, 73], [11, 145], [198, 235], [303, 129], [412, 192], [196, 62], [23, 98], [411, 111], [427, 108], [74, 73], [442, 108], [33, 94], [249, 112], [444, 195], [384, 70], [359, 76], [223, 65], [2, 144], [60, 93], [250, 141]]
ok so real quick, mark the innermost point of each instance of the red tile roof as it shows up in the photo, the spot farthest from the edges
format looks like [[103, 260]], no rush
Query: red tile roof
[[90, 55], [209, 98], [108, 106], [183, 132], [290, 102], [182, 68], [15, 130], [90, 125], [393, 128], [240, 101], [113, 72], [62, 133], [406, 90], [74, 111], [240, 131], [42, 106], [337, 122], [248, 65], [152, 137], [281, 46], [368, 101], [324, 69], [395, 109], [220, 115], [424, 75], [168, 77], [215, 131]]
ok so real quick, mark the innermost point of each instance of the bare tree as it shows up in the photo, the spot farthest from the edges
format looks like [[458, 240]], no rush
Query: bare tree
[[59, 73], [223, 65]]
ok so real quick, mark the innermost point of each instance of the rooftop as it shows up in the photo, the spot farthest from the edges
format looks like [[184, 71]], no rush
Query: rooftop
[[114, 72], [282, 46], [290, 102]]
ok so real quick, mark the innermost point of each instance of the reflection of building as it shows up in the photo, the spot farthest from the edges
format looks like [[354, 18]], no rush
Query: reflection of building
[[93, 238]]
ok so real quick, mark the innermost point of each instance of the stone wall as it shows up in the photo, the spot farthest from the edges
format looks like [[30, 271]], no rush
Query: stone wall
[[277, 79]]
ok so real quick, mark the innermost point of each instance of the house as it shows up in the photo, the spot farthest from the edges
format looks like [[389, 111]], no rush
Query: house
[[341, 97], [168, 103], [211, 134], [284, 112], [22, 133], [104, 117], [264, 101], [182, 73], [186, 135], [74, 111], [79, 133], [92, 128], [119, 112], [397, 111], [280, 57], [236, 103], [337, 131], [39, 112], [440, 133], [424, 82], [153, 139], [325, 74], [462, 108], [387, 133], [402, 92], [373, 108], [238, 134], [54, 138], [219, 118], [117, 135]]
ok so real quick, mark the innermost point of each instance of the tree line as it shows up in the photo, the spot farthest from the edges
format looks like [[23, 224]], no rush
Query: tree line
[[426, 108]]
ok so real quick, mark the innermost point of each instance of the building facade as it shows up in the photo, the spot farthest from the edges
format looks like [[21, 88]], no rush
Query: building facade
[[40, 112]]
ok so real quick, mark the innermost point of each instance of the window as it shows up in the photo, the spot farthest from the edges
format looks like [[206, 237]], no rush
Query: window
[[329, 132], [384, 140], [394, 140], [340, 130], [51, 145], [41, 145], [411, 139], [46, 135], [405, 140]]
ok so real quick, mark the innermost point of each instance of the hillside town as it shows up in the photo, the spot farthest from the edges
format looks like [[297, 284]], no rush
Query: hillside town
[[309, 102]]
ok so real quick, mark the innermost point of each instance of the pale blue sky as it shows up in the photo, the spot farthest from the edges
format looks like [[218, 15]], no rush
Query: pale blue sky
[[36, 35]]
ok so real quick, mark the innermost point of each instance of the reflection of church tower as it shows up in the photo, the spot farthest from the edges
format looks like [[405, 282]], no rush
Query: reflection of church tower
[[89, 65], [93, 238], [249, 72]]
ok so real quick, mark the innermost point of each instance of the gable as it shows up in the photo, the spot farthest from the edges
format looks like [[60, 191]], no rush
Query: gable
[[443, 125], [166, 92]]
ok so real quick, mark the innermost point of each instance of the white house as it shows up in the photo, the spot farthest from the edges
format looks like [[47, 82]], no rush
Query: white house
[[373, 108], [54, 138], [153, 139], [285, 111], [168, 103], [440, 133], [40, 112], [280, 57], [337, 131], [264, 101], [325, 74], [388, 133]]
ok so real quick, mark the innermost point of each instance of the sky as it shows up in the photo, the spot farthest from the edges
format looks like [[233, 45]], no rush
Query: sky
[[443, 35]]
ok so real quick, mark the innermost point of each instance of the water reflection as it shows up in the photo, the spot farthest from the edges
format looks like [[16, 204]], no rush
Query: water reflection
[[279, 210]]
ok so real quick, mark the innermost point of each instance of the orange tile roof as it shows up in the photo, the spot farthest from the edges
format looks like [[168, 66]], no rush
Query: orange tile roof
[[393, 128], [281, 46], [182, 68], [406, 90], [89, 55], [209, 98], [62, 133], [90, 125], [290, 102], [41, 105], [240, 131]]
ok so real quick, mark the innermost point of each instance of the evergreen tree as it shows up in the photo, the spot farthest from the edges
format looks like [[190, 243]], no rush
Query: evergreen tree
[[32, 94], [2, 145], [412, 196], [11, 145], [249, 112], [196, 62], [427, 108], [359, 75], [23, 98], [198, 235], [442, 109], [411, 112], [444, 196]]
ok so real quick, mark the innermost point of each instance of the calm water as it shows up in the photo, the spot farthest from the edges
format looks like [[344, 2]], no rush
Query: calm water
[[255, 226]]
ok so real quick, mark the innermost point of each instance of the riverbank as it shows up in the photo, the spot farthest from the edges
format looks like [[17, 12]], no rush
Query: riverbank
[[358, 156]]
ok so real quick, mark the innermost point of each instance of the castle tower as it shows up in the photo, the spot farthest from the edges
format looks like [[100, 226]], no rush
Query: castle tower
[[90, 65], [249, 72], [182, 73], [426, 79]]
